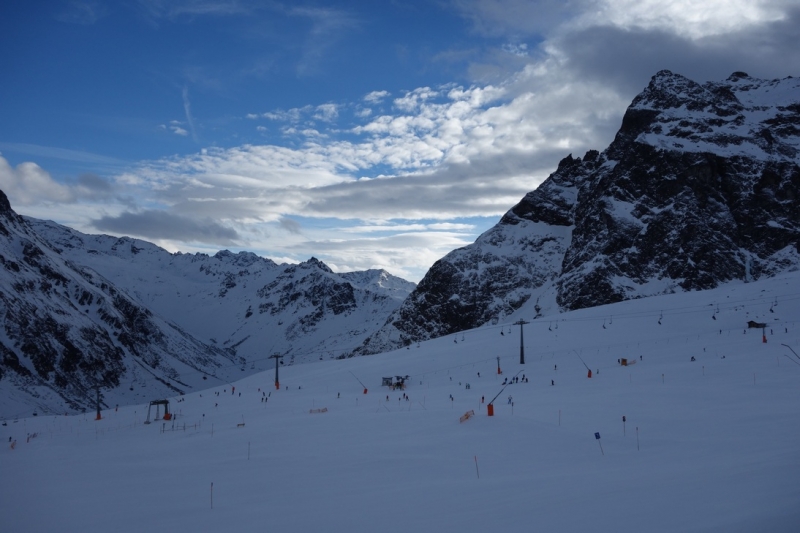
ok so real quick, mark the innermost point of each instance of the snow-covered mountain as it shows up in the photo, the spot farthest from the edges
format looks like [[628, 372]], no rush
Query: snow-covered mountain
[[67, 329], [86, 308], [699, 187]]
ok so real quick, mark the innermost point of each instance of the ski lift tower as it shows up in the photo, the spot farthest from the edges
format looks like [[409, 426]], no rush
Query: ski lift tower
[[276, 356], [521, 323], [97, 389]]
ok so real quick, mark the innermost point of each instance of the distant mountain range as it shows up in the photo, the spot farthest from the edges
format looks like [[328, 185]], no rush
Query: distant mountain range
[[81, 311], [701, 186]]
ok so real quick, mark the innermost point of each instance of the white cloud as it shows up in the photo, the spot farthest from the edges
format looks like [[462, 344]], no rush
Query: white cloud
[[326, 112], [376, 97], [291, 115], [30, 184], [520, 50], [687, 18]]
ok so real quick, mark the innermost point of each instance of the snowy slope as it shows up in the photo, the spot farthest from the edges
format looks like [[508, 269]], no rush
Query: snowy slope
[[709, 445]]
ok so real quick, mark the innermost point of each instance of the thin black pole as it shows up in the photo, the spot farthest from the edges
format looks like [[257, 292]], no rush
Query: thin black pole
[[97, 388]]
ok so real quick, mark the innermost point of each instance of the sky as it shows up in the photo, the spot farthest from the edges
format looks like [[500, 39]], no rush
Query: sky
[[366, 134]]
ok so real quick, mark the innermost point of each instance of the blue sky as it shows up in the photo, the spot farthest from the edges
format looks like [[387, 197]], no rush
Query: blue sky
[[367, 134]]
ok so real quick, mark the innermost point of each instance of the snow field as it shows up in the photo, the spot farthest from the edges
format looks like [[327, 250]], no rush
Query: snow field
[[717, 438]]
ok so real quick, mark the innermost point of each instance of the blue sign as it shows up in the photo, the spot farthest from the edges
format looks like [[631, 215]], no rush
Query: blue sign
[[597, 436]]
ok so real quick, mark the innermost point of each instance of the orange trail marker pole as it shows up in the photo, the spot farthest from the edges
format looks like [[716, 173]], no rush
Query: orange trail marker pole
[[212, 494]]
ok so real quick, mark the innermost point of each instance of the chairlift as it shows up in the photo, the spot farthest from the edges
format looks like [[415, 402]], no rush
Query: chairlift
[[158, 404]]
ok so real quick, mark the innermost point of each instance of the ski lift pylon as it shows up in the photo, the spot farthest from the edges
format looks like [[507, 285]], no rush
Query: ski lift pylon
[[158, 404]]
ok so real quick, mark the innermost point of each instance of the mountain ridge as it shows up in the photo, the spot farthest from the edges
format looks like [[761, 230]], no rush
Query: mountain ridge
[[698, 188], [82, 311]]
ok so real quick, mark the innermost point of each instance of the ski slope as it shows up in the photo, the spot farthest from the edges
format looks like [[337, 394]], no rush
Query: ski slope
[[710, 445]]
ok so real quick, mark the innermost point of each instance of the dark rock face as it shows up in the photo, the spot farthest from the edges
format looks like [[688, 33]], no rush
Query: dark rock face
[[698, 190], [699, 187]]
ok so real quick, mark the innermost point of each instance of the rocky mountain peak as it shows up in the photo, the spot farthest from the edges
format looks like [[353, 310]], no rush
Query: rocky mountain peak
[[698, 188], [316, 263], [5, 206]]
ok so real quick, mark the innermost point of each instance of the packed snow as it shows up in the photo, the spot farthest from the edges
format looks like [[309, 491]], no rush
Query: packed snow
[[709, 444]]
